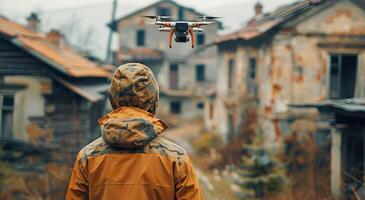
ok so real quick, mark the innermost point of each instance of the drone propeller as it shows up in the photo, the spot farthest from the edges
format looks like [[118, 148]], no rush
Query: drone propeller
[[150, 16], [207, 17], [157, 17]]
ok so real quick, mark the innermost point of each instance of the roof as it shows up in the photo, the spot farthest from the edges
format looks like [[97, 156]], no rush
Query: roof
[[92, 91], [113, 24], [12, 29], [354, 106], [262, 24], [62, 58]]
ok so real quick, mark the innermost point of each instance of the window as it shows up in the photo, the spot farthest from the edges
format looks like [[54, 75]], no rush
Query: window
[[251, 77], [230, 73], [252, 69], [6, 115], [141, 38], [175, 107], [174, 72], [200, 39], [200, 72], [181, 13], [200, 105], [342, 80], [163, 11]]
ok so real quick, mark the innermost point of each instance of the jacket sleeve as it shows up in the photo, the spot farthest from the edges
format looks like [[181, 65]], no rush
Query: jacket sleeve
[[78, 188], [186, 182]]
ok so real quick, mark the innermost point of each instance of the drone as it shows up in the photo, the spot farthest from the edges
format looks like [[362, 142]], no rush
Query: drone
[[181, 29]]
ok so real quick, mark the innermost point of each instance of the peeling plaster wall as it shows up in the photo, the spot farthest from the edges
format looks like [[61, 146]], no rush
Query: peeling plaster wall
[[293, 67], [29, 102], [342, 18]]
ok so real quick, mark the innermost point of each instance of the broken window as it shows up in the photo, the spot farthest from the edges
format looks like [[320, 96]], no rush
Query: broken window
[[6, 115], [230, 73], [141, 38], [251, 77], [342, 81], [200, 72], [200, 39], [175, 107], [174, 72]]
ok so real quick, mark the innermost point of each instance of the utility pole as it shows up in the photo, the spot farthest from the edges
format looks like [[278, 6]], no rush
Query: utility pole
[[108, 50]]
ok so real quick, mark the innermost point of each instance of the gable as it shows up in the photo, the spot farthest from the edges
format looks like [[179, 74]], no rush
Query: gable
[[136, 16], [343, 17]]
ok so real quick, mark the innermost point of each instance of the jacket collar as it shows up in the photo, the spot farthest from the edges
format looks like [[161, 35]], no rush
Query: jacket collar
[[133, 112]]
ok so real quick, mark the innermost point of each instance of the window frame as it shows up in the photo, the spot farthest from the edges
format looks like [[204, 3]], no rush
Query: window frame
[[200, 73], [141, 38], [179, 107], [166, 11], [251, 76], [181, 13], [339, 81], [231, 66], [4, 108], [200, 39]]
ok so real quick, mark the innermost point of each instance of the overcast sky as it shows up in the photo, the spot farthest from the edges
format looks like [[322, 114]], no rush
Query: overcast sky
[[92, 15]]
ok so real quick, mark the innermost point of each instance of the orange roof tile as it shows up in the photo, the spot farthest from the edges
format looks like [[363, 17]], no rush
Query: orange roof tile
[[60, 57], [13, 29]]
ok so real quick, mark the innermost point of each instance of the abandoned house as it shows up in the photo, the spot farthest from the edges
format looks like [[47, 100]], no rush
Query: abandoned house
[[304, 52], [342, 121], [49, 94], [184, 74]]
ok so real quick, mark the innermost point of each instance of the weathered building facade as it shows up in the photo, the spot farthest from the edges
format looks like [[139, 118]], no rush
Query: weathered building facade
[[308, 51], [182, 72], [343, 120], [49, 94]]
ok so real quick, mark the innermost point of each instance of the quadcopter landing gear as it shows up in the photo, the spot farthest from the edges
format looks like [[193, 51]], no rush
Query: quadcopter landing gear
[[171, 33], [192, 38]]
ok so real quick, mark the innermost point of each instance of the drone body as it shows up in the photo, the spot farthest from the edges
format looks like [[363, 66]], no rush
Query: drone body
[[181, 29]]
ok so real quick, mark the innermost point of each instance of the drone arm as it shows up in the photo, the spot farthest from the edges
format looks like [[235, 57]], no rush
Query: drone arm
[[192, 37], [199, 24]]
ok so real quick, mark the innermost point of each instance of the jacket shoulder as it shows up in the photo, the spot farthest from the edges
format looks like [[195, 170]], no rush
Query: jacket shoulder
[[167, 148], [94, 148]]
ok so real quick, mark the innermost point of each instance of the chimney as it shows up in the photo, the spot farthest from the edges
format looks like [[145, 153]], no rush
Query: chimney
[[55, 37], [258, 9], [33, 21]]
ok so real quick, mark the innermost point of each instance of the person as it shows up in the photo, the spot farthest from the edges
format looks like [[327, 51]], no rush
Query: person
[[131, 160]]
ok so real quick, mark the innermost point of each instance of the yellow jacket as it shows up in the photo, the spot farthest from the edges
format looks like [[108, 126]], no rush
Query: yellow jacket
[[131, 161]]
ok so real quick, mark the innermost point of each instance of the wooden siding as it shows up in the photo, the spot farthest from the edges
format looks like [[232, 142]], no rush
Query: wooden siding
[[15, 61]]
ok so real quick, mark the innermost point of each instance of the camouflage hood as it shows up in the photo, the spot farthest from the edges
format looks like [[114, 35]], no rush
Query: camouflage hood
[[133, 94], [130, 128], [134, 84]]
